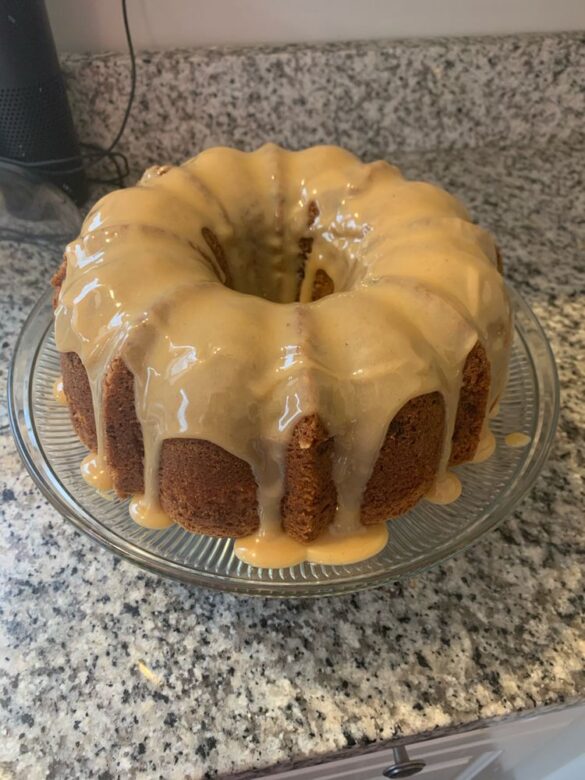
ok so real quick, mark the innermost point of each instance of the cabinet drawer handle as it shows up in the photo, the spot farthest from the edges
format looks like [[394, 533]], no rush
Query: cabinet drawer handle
[[403, 766]]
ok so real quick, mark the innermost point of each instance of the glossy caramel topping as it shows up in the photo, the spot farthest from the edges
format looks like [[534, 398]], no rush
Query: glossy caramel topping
[[517, 439], [193, 278], [278, 550], [147, 514], [486, 446], [95, 472], [447, 488]]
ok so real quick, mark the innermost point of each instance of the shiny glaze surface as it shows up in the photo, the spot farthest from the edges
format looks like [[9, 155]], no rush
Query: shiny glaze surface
[[447, 488], [94, 471], [147, 514], [275, 550], [517, 439], [225, 347]]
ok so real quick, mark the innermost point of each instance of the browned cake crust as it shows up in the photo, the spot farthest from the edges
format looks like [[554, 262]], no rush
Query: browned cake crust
[[123, 444], [322, 285], [57, 280], [471, 409], [310, 498], [206, 489], [408, 460], [78, 395]]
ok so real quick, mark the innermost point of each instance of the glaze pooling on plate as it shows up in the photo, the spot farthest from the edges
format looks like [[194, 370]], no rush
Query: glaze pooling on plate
[[95, 472], [517, 439], [278, 550], [446, 490]]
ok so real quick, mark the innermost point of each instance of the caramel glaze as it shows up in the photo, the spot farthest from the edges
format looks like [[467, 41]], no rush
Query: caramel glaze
[[517, 439], [94, 471], [486, 446], [192, 278], [447, 488]]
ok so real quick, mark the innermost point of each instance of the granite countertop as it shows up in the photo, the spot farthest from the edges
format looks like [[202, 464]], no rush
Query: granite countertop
[[106, 671]]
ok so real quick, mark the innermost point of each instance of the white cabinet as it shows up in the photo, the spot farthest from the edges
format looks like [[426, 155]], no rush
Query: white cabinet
[[550, 745]]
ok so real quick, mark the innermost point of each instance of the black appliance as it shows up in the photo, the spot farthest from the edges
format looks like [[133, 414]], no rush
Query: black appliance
[[36, 125]]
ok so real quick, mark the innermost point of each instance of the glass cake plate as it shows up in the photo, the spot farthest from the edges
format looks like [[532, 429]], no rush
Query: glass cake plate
[[423, 537]]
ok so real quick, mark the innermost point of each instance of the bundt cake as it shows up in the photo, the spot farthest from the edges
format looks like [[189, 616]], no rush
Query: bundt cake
[[272, 344]]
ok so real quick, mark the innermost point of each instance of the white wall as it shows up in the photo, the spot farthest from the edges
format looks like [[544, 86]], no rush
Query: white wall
[[96, 25]]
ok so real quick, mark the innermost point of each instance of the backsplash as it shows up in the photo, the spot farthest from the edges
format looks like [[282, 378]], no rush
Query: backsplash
[[369, 97]]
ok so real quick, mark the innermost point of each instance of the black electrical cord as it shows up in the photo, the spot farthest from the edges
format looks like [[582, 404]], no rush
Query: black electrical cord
[[93, 154]]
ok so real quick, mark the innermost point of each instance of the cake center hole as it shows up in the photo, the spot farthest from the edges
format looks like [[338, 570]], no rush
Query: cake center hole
[[272, 265]]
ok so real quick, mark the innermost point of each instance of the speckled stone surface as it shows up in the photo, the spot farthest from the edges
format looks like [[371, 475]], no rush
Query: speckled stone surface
[[371, 98], [240, 684]]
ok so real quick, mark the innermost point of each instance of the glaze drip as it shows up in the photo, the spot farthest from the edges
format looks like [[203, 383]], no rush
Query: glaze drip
[[446, 490], [486, 446], [94, 471]]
